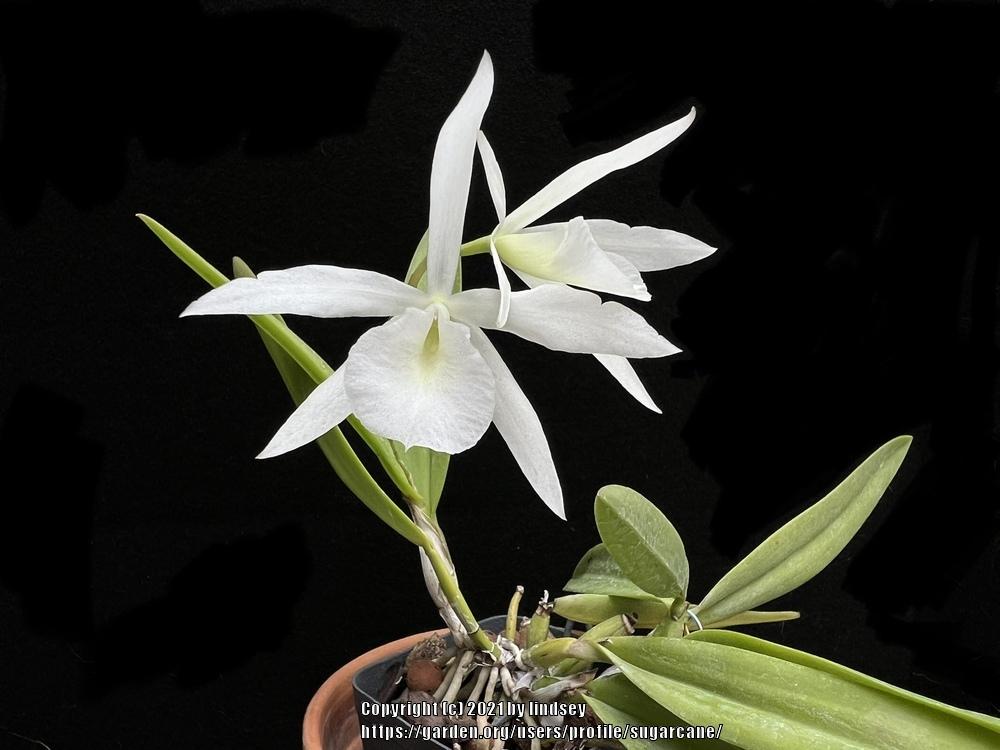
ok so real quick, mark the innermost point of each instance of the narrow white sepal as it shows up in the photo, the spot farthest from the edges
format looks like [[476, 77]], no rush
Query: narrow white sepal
[[622, 371], [451, 173], [504, 285], [566, 320], [319, 291], [323, 409], [519, 426], [494, 177], [581, 175], [648, 248]]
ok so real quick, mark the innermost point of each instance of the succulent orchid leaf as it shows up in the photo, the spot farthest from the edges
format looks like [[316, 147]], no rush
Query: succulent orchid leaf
[[808, 543], [591, 609], [642, 541], [598, 573], [765, 702], [617, 701]]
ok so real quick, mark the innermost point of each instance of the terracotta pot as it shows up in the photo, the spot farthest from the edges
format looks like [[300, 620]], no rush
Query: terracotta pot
[[331, 721]]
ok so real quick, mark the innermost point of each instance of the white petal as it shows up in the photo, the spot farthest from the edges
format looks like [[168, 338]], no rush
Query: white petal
[[494, 177], [518, 424], [406, 386], [622, 371], [503, 283], [565, 319], [320, 291], [648, 248], [630, 272], [324, 408], [450, 176], [568, 254], [475, 307], [577, 177], [531, 281]]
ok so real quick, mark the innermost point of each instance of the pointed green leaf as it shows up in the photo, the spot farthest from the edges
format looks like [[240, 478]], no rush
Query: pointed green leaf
[[755, 617], [642, 541], [617, 701], [591, 609], [767, 703], [808, 543], [760, 646], [296, 380], [598, 573]]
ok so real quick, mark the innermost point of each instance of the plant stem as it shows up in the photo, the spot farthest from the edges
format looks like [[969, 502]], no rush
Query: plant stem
[[476, 247], [450, 589], [510, 629]]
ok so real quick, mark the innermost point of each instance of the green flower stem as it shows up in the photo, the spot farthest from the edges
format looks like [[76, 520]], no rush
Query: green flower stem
[[476, 247]]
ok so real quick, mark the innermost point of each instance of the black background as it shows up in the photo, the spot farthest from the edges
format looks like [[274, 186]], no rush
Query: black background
[[160, 588]]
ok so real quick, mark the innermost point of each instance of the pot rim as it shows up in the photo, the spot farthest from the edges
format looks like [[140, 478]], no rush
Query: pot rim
[[319, 714]]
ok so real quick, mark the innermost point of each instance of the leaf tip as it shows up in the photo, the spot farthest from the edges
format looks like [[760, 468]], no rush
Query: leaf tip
[[241, 269]]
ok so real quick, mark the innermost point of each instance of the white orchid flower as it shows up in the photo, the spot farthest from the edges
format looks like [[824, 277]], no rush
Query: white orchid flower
[[429, 376], [598, 254]]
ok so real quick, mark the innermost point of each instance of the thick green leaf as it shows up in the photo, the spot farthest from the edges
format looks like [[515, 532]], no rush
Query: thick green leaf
[[591, 609], [642, 541], [768, 703], [760, 646], [598, 573], [808, 543], [617, 701]]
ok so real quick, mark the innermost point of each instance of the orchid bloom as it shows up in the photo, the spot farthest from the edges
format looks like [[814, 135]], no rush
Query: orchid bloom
[[598, 254], [429, 376]]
